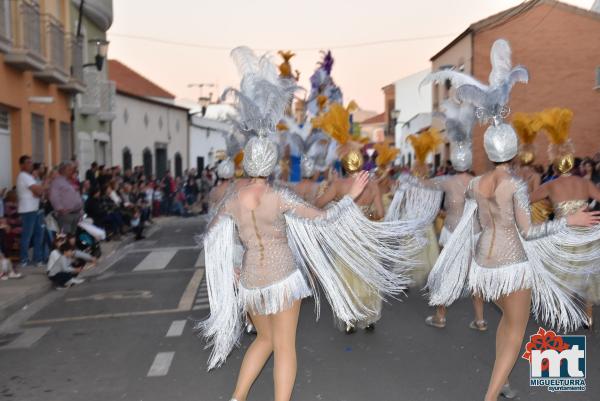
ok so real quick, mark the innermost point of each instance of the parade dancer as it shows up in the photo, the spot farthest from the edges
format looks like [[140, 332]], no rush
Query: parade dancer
[[413, 200], [527, 126], [568, 193], [290, 246], [308, 188], [371, 205], [510, 261], [459, 121]]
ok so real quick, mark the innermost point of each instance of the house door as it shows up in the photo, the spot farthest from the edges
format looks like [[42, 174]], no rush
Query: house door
[[199, 164], [5, 150], [161, 162]]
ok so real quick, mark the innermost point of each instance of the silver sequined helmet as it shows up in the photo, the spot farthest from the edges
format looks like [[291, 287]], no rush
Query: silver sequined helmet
[[461, 156], [307, 166], [226, 169], [500, 142], [260, 157]]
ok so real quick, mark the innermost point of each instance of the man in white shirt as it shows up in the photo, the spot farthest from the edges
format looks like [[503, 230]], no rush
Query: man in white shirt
[[29, 192]]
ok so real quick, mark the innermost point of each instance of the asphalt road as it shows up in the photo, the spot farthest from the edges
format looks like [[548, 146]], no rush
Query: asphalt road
[[126, 334]]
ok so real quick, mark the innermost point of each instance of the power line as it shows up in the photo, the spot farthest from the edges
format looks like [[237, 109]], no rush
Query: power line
[[228, 48]]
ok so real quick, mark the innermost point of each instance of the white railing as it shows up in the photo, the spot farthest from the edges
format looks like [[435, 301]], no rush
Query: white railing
[[89, 100], [108, 104]]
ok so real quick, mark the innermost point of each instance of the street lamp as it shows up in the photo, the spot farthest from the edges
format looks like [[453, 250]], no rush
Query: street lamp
[[101, 52]]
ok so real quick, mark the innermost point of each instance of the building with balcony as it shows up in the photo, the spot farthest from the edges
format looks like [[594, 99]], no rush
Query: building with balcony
[[95, 95], [150, 129], [35, 113], [564, 66]]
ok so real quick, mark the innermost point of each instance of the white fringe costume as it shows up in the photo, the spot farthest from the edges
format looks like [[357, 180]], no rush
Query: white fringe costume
[[495, 250], [290, 248]]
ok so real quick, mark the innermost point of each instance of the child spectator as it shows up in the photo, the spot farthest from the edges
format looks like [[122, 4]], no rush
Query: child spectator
[[6, 270], [61, 270]]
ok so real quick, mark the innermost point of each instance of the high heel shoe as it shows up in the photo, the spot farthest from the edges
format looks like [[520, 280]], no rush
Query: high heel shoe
[[434, 321], [508, 392], [250, 329], [370, 327], [350, 329]]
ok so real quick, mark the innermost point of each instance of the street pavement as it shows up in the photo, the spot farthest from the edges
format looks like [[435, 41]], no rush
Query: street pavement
[[127, 334]]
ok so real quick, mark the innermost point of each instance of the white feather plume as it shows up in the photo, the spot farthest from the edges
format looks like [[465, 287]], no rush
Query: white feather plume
[[263, 95]]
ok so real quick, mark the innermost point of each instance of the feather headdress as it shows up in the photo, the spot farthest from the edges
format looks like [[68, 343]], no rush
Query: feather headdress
[[285, 68], [556, 123], [490, 100], [459, 121], [336, 122], [263, 95], [527, 127], [425, 143], [386, 154]]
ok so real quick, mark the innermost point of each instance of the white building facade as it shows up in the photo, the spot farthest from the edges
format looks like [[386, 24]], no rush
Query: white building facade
[[207, 139], [150, 133], [413, 105]]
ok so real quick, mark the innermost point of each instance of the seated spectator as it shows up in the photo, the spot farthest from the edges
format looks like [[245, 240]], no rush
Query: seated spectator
[[6, 268], [157, 201], [137, 224], [60, 269]]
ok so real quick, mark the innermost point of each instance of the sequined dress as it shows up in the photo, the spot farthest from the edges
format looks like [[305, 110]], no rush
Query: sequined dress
[[589, 285], [495, 250], [290, 248], [454, 188]]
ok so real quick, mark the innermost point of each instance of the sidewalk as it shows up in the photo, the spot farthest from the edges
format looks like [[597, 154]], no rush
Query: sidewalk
[[17, 294]]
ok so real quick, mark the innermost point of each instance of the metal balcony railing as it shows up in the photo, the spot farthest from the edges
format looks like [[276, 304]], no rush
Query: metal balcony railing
[[30, 27], [74, 56], [25, 32], [5, 25], [54, 44]]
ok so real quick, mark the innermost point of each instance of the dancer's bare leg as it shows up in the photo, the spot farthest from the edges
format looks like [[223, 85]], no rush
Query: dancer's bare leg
[[283, 328], [256, 356], [478, 308], [509, 338], [440, 312]]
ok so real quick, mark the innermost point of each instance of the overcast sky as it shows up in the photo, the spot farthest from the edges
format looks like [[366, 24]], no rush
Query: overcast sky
[[302, 25]]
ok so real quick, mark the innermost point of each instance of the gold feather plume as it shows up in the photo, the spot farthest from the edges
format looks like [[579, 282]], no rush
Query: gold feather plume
[[527, 127], [385, 154], [424, 143], [285, 68], [556, 122], [238, 158], [336, 122]]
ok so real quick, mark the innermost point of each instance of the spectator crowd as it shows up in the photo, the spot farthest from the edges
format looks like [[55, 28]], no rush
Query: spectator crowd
[[40, 217]]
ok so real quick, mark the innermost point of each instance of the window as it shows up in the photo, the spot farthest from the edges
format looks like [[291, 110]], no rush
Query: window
[[37, 138], [66, 141], [126, 159], [178, 165], [597, 78], [147, 160]]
